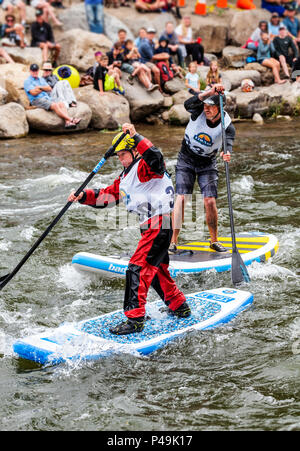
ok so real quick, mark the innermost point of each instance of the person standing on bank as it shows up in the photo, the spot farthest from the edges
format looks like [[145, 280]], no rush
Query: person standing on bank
[[147, 190], [197, 159]]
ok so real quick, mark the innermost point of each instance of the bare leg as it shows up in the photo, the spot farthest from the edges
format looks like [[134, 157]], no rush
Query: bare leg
[[284, 65], [61, 111], [211, 217], [44, 47], [6, 56], [275, 66], [178, 216]]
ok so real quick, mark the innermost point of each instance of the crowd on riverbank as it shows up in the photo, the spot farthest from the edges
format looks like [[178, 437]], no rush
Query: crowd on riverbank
[[160, 62]]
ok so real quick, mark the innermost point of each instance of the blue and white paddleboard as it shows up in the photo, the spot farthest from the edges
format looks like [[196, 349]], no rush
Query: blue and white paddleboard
[[193, 257], [91, 339]]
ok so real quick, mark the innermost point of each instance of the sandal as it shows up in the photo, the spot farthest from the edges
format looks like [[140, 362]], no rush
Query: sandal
[[70, 124], [76, 120]]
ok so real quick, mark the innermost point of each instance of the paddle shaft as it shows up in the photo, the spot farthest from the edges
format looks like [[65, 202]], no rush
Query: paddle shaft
[[227, 176], [5, 279], [238, 269]]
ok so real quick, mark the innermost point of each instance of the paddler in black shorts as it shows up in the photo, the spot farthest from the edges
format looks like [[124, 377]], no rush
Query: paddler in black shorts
[[197, 159], [147, 190]]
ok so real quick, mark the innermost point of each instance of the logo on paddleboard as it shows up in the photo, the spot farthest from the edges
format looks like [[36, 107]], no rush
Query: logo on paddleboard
[[203, 139]]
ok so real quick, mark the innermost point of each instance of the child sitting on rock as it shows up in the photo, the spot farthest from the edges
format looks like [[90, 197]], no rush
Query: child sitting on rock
[[192, 79], [107, 78], [213, 75], [165, 53]]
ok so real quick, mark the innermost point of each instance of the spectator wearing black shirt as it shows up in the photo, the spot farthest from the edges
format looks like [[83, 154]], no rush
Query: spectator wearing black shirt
[[42, 36], [282, 45], [106, 78]]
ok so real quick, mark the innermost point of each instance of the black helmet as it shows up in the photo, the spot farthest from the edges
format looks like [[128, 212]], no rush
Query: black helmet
[[214, 100]]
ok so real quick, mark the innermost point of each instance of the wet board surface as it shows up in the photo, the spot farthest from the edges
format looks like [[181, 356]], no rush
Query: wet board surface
[[193, 256], [91, 339]]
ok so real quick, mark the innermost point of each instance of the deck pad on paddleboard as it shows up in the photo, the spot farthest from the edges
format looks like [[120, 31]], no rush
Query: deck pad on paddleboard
[[192, 257], [91, 339]]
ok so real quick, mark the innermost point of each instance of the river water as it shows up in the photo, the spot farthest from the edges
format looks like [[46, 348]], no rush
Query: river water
[[241, 376]]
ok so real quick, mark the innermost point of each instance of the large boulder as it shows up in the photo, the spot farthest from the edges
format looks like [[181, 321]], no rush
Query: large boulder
[[142, 103], [178, 115], [213, 31], [28, 55], [78, 48], [174, 85], [108, 111], [75, 17], [235, 56], [48, 121], [13, 76], [243, 23], [248, 103], [235, 77], [13, 123]]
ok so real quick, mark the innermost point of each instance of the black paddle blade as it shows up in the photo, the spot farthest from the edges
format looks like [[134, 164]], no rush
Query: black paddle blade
[[239, 271]]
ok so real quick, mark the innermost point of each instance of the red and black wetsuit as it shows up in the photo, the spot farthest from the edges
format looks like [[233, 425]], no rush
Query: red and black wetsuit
[[149, 263]]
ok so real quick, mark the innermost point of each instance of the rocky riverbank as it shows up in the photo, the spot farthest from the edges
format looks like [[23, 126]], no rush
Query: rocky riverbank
[[223, 33]]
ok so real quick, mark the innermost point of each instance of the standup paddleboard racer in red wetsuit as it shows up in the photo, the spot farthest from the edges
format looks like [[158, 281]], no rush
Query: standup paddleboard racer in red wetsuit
[[147, 190]]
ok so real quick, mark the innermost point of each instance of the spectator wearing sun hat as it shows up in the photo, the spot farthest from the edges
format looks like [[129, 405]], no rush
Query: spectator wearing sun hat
[[39, 91], [61, 89]]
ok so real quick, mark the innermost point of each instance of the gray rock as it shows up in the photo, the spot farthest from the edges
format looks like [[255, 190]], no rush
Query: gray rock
[[235, 56], [108, 111], [178, 115], [28, 55], [235, 77], [142, 103], [48, 121], [174, 85], [13, 123]]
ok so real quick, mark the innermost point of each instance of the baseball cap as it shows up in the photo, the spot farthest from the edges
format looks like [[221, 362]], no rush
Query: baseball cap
[[290, 7], [151, 30], [39, 12], [282, 27], [34, 67]]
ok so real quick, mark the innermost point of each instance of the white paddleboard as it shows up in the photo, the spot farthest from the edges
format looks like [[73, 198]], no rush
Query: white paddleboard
[[193, 257], [91, 339]]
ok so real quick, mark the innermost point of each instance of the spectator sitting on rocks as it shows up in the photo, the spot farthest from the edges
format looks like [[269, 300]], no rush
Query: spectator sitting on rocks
[[173, 45], [282, 45], [164, 53], [42, 36], [190, 46], [5, 55], [47, 10], [141, 37], [146, 50], [265, 51], [192, 79], [142, 71], [9, 5], [252, 43], [292, 23], [273, 25], [213, 75], [115, 58], [105, 78], [12, 34], [38, 92], [61, 89]]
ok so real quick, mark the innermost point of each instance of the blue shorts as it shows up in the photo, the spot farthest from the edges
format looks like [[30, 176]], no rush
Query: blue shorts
[[187, 170]]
